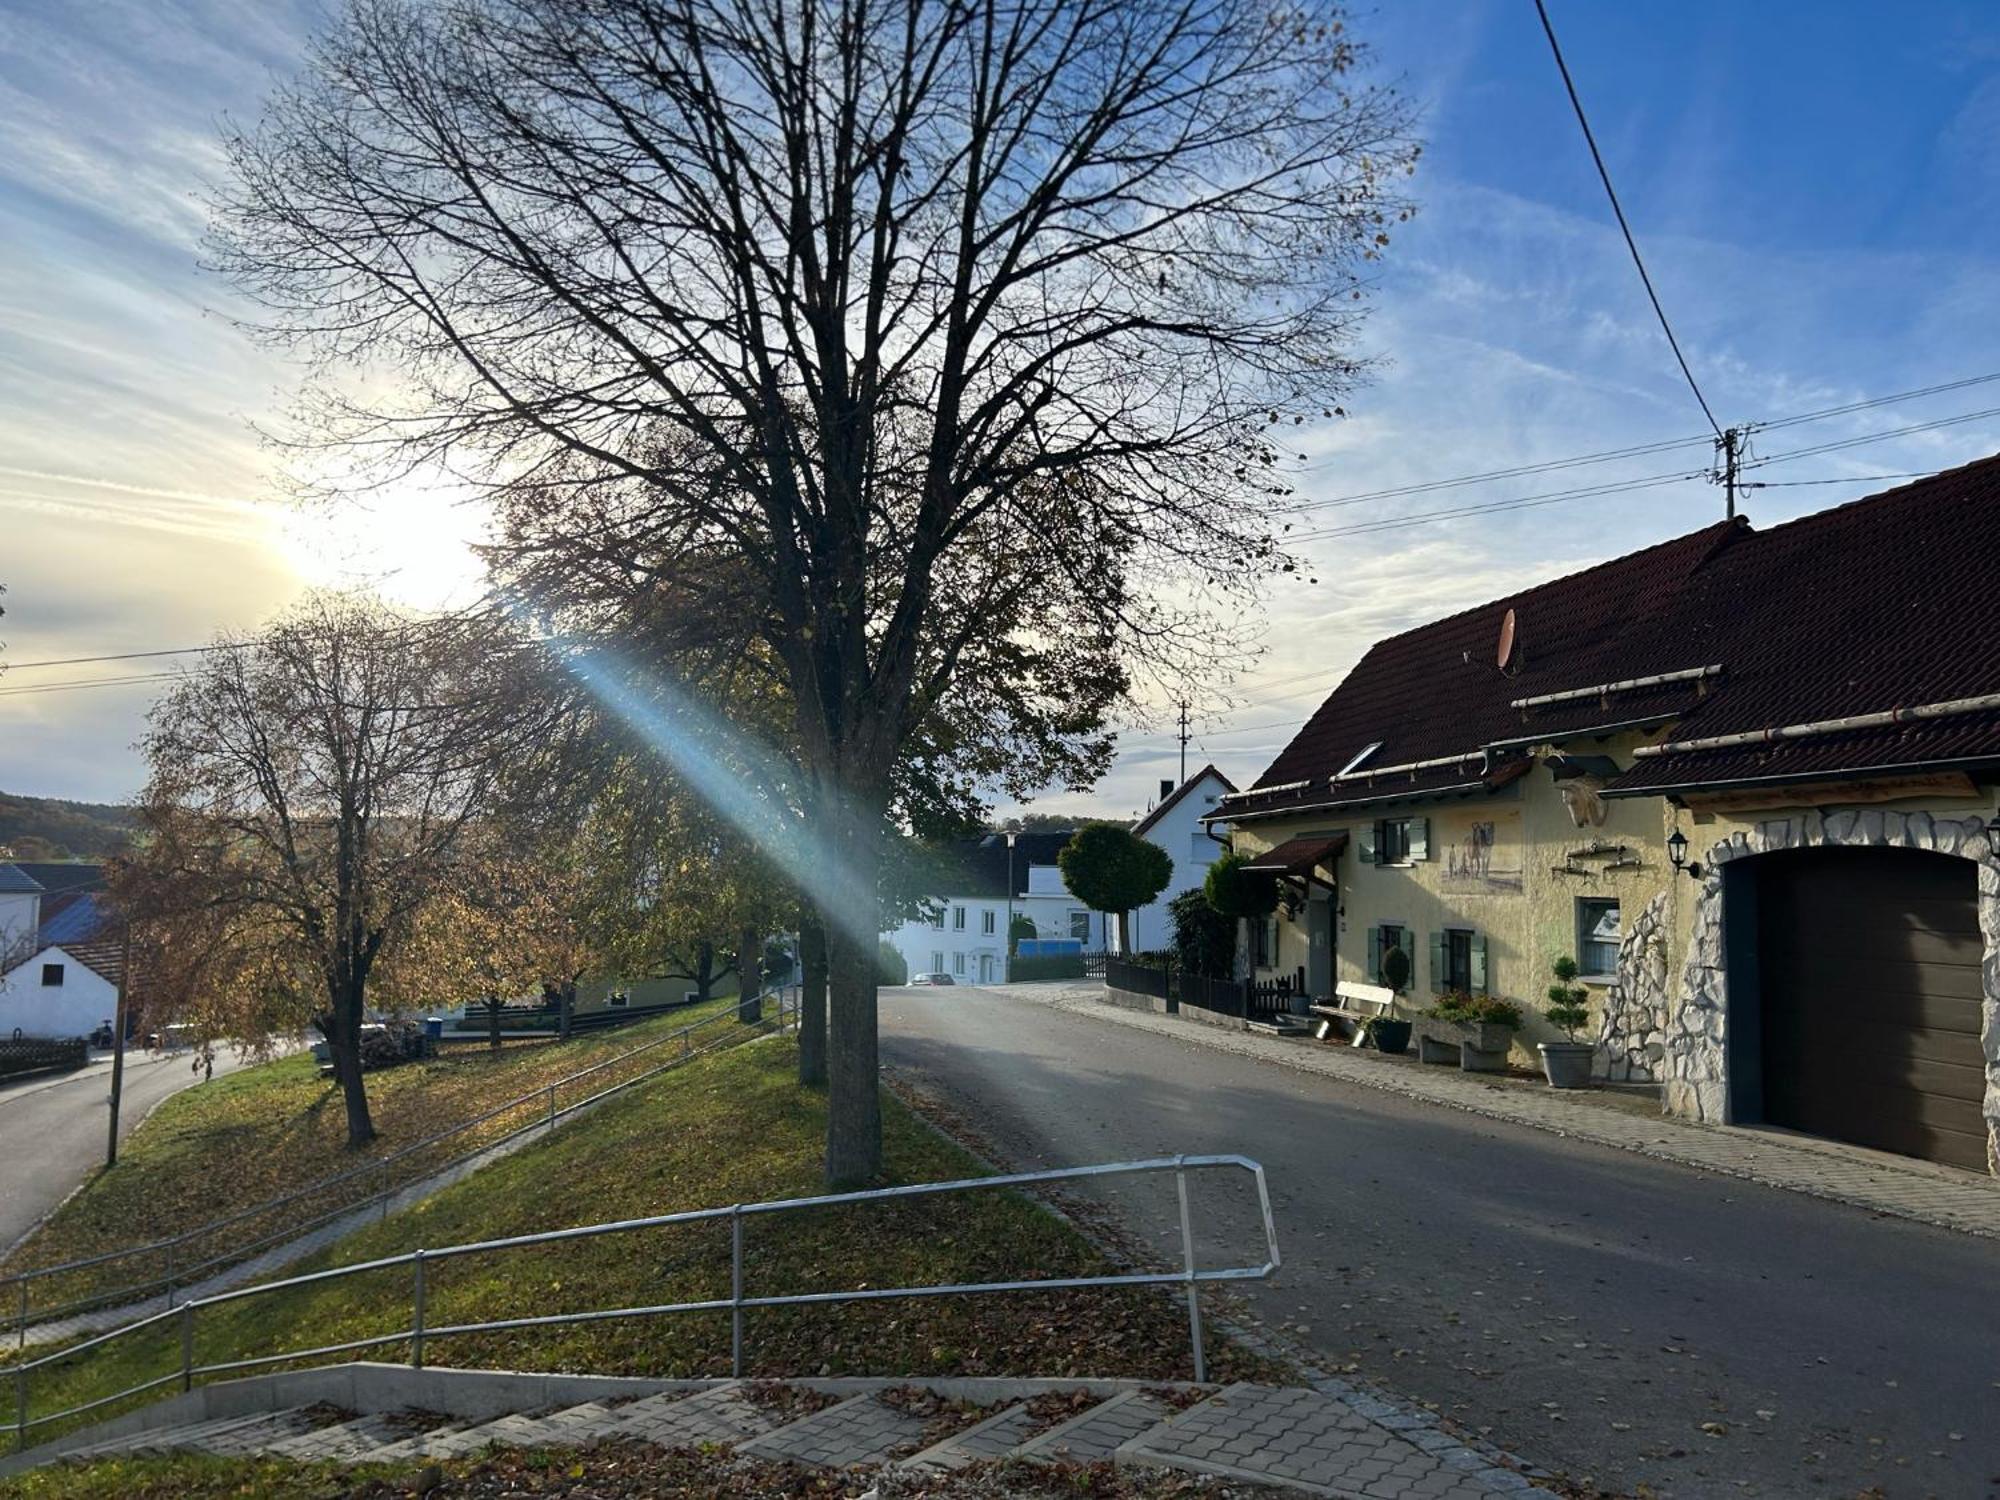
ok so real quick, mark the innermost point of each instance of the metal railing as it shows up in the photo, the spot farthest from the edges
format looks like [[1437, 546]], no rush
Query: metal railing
[[180, 1272], [419, 1332]]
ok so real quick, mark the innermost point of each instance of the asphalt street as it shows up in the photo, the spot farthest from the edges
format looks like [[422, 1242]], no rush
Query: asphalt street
[[52, 1129], [1658, 1329]]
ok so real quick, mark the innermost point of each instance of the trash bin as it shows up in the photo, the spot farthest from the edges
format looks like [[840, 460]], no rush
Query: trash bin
[[433, 1035]]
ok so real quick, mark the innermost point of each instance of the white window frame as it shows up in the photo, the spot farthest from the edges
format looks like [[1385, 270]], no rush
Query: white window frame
[[937, 962], [958, 919], [986, 921], [958, 963], [1587, 974]]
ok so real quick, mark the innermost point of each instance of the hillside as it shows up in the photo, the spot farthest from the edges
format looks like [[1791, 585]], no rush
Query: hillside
[[50, 828]]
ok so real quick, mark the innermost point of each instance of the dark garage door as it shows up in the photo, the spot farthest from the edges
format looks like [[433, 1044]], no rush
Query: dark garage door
[[1868, 961]]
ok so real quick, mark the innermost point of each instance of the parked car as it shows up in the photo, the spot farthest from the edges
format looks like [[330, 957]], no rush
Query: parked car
[[917, 979]]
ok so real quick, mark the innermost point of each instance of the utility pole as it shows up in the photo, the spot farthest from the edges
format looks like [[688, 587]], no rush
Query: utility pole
[[1184, 743], [1729, 447], [118, 1047]]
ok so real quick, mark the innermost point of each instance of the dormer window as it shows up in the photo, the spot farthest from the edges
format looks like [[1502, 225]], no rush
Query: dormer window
[[52, 974], [1360, 755]]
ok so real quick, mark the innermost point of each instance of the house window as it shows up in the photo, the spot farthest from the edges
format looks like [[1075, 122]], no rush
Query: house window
[[1388, 935], [1264, 942], [937, 963], [52, 974], [1079, 925], [1396, 841], [937, 919], [958, 919], [1458, 961], [986, 922], [1597, 935], [958, 963]]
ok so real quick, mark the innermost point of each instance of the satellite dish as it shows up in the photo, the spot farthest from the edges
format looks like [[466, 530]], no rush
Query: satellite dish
[[1505, 655]]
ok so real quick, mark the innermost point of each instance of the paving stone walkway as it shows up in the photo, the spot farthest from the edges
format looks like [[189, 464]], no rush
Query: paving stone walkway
[[1329, 1439], [1898, 1186]]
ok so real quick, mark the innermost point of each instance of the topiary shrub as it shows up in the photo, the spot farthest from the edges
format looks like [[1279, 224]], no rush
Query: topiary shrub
[[1396, 969], [1566, 1006]]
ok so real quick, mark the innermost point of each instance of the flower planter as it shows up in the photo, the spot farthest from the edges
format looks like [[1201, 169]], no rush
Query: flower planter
[[1567, 1064], [1476, 1046], [1389, 1036]]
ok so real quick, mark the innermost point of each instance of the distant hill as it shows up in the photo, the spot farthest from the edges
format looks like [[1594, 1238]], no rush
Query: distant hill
[[49, 828]]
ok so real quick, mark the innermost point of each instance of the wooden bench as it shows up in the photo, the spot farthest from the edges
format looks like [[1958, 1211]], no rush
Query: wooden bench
[[1354, 1006]]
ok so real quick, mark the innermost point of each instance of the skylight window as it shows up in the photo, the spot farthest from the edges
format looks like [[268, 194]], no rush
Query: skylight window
[[1355, 764]]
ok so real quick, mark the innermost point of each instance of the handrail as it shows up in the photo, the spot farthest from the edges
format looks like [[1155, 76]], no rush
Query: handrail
[[1190, 1275], [19, 1315]]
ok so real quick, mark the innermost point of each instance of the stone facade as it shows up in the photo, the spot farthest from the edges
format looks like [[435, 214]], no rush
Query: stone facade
[[1696, 1036], [1631, 1041]]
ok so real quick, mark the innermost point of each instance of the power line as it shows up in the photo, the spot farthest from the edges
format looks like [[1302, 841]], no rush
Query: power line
[[84, 682], [79, 661], [1640, 450], [1612, 193], [1525, 502], [1877, 437]]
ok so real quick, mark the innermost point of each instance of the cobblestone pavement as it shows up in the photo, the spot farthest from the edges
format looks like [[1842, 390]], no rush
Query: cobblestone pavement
[[1300, 1438], [1903, 1187]]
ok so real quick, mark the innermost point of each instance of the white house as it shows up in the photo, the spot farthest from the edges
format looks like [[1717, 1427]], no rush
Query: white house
[[1175, 826], [964, 933], [60, 960]]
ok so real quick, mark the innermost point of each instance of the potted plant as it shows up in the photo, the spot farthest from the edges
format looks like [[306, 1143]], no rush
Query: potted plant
[[1567, 1064], [1474, 1031], [1387, 1033]]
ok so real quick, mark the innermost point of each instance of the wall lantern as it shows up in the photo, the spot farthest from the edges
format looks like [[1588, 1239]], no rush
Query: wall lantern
[[1993, 828], [1677, 852]]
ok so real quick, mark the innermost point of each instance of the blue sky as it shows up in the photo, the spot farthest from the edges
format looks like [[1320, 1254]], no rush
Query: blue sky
[[1815, 187]]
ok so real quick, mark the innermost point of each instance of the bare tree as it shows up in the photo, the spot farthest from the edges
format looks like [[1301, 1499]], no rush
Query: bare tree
[[939, 339], [311, 792]]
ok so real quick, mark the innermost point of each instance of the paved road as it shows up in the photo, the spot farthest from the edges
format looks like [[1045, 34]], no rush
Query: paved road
[[52, 1129], [1587, 1308]]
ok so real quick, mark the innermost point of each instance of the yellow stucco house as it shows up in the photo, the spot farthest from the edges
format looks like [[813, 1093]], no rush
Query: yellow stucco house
[[1746, 778]]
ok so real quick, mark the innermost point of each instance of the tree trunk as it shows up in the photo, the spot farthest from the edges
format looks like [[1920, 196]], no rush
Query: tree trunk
[[812, 1003], [568, 1008], [1124, 935], [749, 979], [704, 970], [493, 1022], [853, 935], [344, 1041]]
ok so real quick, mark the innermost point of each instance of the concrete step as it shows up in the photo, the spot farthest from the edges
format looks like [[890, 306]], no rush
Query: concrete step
[[255, 1434], [354, 1439], [859, 1430], [156, 1440], [720, 1414], [995, 1437], [1097, 1433]]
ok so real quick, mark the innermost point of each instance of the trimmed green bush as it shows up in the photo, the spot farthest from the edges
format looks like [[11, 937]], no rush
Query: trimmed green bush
[[1237, 892], [890, 967]]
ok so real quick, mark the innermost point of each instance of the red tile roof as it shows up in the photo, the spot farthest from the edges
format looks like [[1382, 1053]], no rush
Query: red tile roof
[[1892, 600]]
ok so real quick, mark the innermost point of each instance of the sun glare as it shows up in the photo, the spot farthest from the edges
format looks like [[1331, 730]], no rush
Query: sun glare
[[410, 542]]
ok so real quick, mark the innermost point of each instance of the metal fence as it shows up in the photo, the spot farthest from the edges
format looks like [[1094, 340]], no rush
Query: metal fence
[[184, 1258], [1245, 1000], [419, 1332]]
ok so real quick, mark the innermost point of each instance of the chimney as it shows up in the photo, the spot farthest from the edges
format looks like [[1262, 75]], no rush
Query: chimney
[[1166, 789]]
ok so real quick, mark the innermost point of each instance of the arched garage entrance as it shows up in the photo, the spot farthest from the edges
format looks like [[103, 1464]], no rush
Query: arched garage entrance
[[1865, 965]]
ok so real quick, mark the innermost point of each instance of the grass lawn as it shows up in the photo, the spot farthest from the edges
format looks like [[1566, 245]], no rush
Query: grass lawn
[[254, 1134], [732, 1127]]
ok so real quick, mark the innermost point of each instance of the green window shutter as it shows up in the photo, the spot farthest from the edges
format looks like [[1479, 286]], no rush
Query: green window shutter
[[1478, 963], [1367, 843], [1374, 955], [1420, 838], [1437, 963]]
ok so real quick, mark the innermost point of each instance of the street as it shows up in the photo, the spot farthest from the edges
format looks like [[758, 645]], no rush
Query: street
[[1594, 1311], [54, 1128]]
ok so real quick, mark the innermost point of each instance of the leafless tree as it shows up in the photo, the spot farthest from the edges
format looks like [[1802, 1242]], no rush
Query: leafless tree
[[936, 337], [312, 789]]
